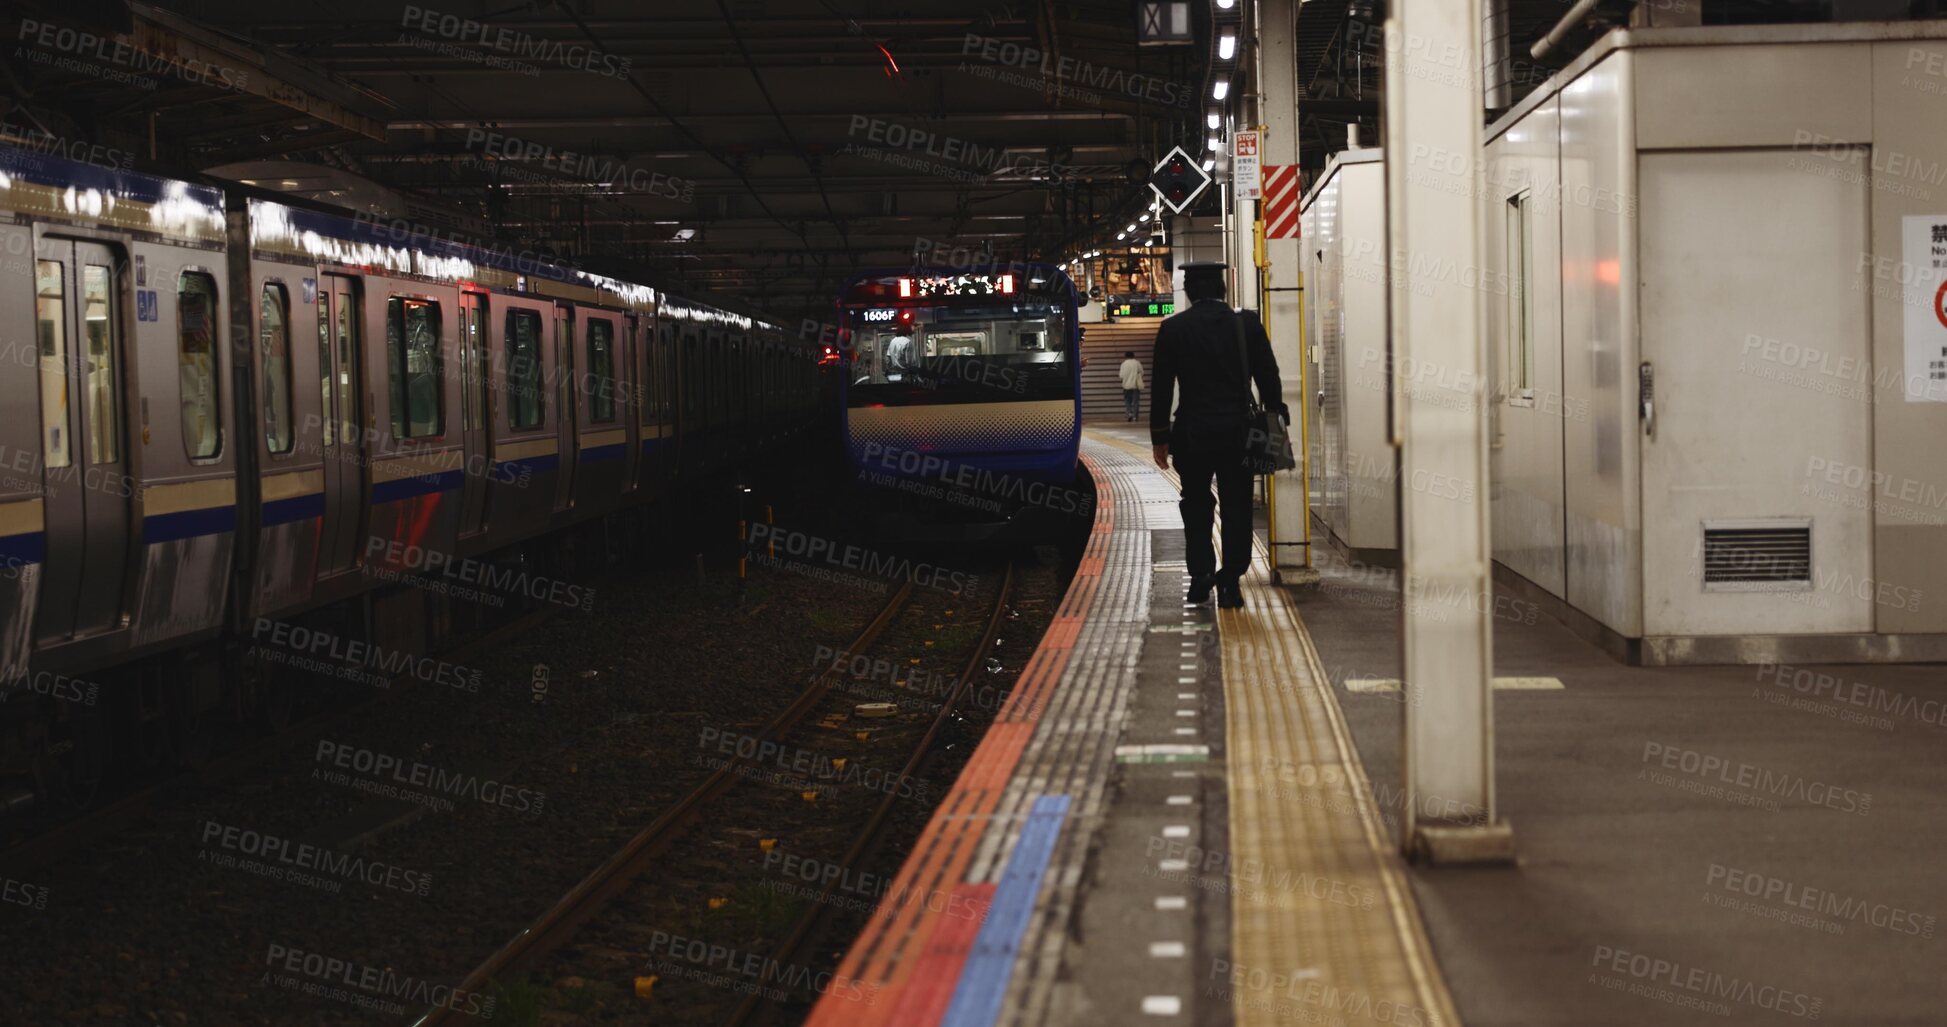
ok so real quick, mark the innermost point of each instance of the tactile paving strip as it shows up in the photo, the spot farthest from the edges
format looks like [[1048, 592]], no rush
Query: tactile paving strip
[[1323, 926]]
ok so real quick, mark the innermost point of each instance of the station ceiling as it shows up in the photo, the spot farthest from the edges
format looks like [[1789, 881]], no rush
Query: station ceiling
[[758, 151]]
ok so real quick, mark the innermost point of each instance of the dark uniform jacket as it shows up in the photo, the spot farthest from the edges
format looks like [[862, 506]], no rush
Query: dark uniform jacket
[[1196, 350]]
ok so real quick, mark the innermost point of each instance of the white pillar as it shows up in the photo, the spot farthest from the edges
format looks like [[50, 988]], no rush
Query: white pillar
[[1433, 216]]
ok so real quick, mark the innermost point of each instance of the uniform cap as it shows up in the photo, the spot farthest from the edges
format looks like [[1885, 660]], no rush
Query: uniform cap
[[1204, 269]]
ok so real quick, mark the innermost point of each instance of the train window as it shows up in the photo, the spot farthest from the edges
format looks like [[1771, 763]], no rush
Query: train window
[[104, 391], [327, 410], [473, 365], [413, 364], [51, 310], [962, 351], [601, 370], [274, 350], [196, 362], [1520, 257], [524, 400]]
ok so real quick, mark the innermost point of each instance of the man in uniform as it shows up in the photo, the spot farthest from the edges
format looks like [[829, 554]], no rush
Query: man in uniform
[[1197, 349]]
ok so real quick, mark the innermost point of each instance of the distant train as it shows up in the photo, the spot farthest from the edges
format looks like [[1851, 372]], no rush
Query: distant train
[[964, 388], [225, 409]]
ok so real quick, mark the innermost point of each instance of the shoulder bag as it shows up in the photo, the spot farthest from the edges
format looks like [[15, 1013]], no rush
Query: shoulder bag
[[1267, 446]]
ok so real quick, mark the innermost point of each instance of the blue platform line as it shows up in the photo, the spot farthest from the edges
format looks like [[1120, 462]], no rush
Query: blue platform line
[[983, 981]]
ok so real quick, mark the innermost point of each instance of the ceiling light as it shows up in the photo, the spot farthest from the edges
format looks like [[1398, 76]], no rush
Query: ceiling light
[[1213, 119], [1227, 46], [1220, 88], [1225, 5], [1216, 143], [1145, 216], [1122, 235], [1131, 228], [1209, 162], [684, 234]]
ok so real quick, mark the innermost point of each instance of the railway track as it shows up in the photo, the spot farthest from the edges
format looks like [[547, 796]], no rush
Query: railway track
[[587, 897], [560, 923], [805, 933]]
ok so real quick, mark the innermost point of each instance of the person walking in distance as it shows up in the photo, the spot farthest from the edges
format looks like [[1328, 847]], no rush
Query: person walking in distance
[[1132, 386], [1198, 350]]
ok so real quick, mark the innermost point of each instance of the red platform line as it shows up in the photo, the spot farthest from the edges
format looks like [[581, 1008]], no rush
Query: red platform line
[[937, 970]]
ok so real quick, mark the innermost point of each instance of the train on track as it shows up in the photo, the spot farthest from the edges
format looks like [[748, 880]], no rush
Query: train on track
[[961, 393], [231, 414]]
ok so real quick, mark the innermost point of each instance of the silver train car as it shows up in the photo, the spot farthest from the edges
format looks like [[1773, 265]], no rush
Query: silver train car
[[223, 410]]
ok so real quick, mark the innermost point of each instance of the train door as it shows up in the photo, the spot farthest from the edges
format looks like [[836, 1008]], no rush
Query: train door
[[568, 432], [84, 470], [476, 412], [632, 402], [345, 437]]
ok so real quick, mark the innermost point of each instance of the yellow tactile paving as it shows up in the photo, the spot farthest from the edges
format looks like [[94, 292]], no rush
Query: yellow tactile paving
[[1324, 928]]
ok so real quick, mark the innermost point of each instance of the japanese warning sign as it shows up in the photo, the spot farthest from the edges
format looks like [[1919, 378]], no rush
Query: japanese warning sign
[[1923, 296]]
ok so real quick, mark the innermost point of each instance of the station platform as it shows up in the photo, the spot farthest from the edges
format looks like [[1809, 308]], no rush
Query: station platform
[[1190, 816]]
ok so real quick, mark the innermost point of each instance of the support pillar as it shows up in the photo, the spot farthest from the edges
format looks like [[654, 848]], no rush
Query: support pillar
[[1440, 420]]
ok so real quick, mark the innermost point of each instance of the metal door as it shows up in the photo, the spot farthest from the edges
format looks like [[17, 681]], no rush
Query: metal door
[[1748, 262], [84, 475], [345, 440], [476, 406]]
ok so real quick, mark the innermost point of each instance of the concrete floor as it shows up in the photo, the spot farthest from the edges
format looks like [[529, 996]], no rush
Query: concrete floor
[[1631, 902]]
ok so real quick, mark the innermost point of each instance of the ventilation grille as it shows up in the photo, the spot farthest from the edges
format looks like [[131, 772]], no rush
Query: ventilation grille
[[1758, 555]]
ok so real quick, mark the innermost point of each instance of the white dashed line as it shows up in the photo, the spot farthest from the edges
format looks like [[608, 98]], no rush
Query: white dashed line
[[1167, 903], [1186, 695], [1186, 713], [1186, 731], [1166, 949], [1178, 800], [1162, 1005], [1173, 866], [1177, 831]]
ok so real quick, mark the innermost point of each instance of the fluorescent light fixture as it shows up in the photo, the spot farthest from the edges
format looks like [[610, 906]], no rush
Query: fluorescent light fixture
[[684, 234], [1216, 143], [1227, 46], [1220, 88], [1213, 119], [1145, 216], [1131, 228], [1209, 162], [1225, 5], [1122, 235]]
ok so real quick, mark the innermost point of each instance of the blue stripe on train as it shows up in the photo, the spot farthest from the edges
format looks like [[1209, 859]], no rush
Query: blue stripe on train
[[24, 548], [599, 454], [294, 508], [171, 527], [418, 485]]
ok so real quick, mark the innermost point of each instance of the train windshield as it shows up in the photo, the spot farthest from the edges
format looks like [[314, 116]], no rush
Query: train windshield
[[961, 350]]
